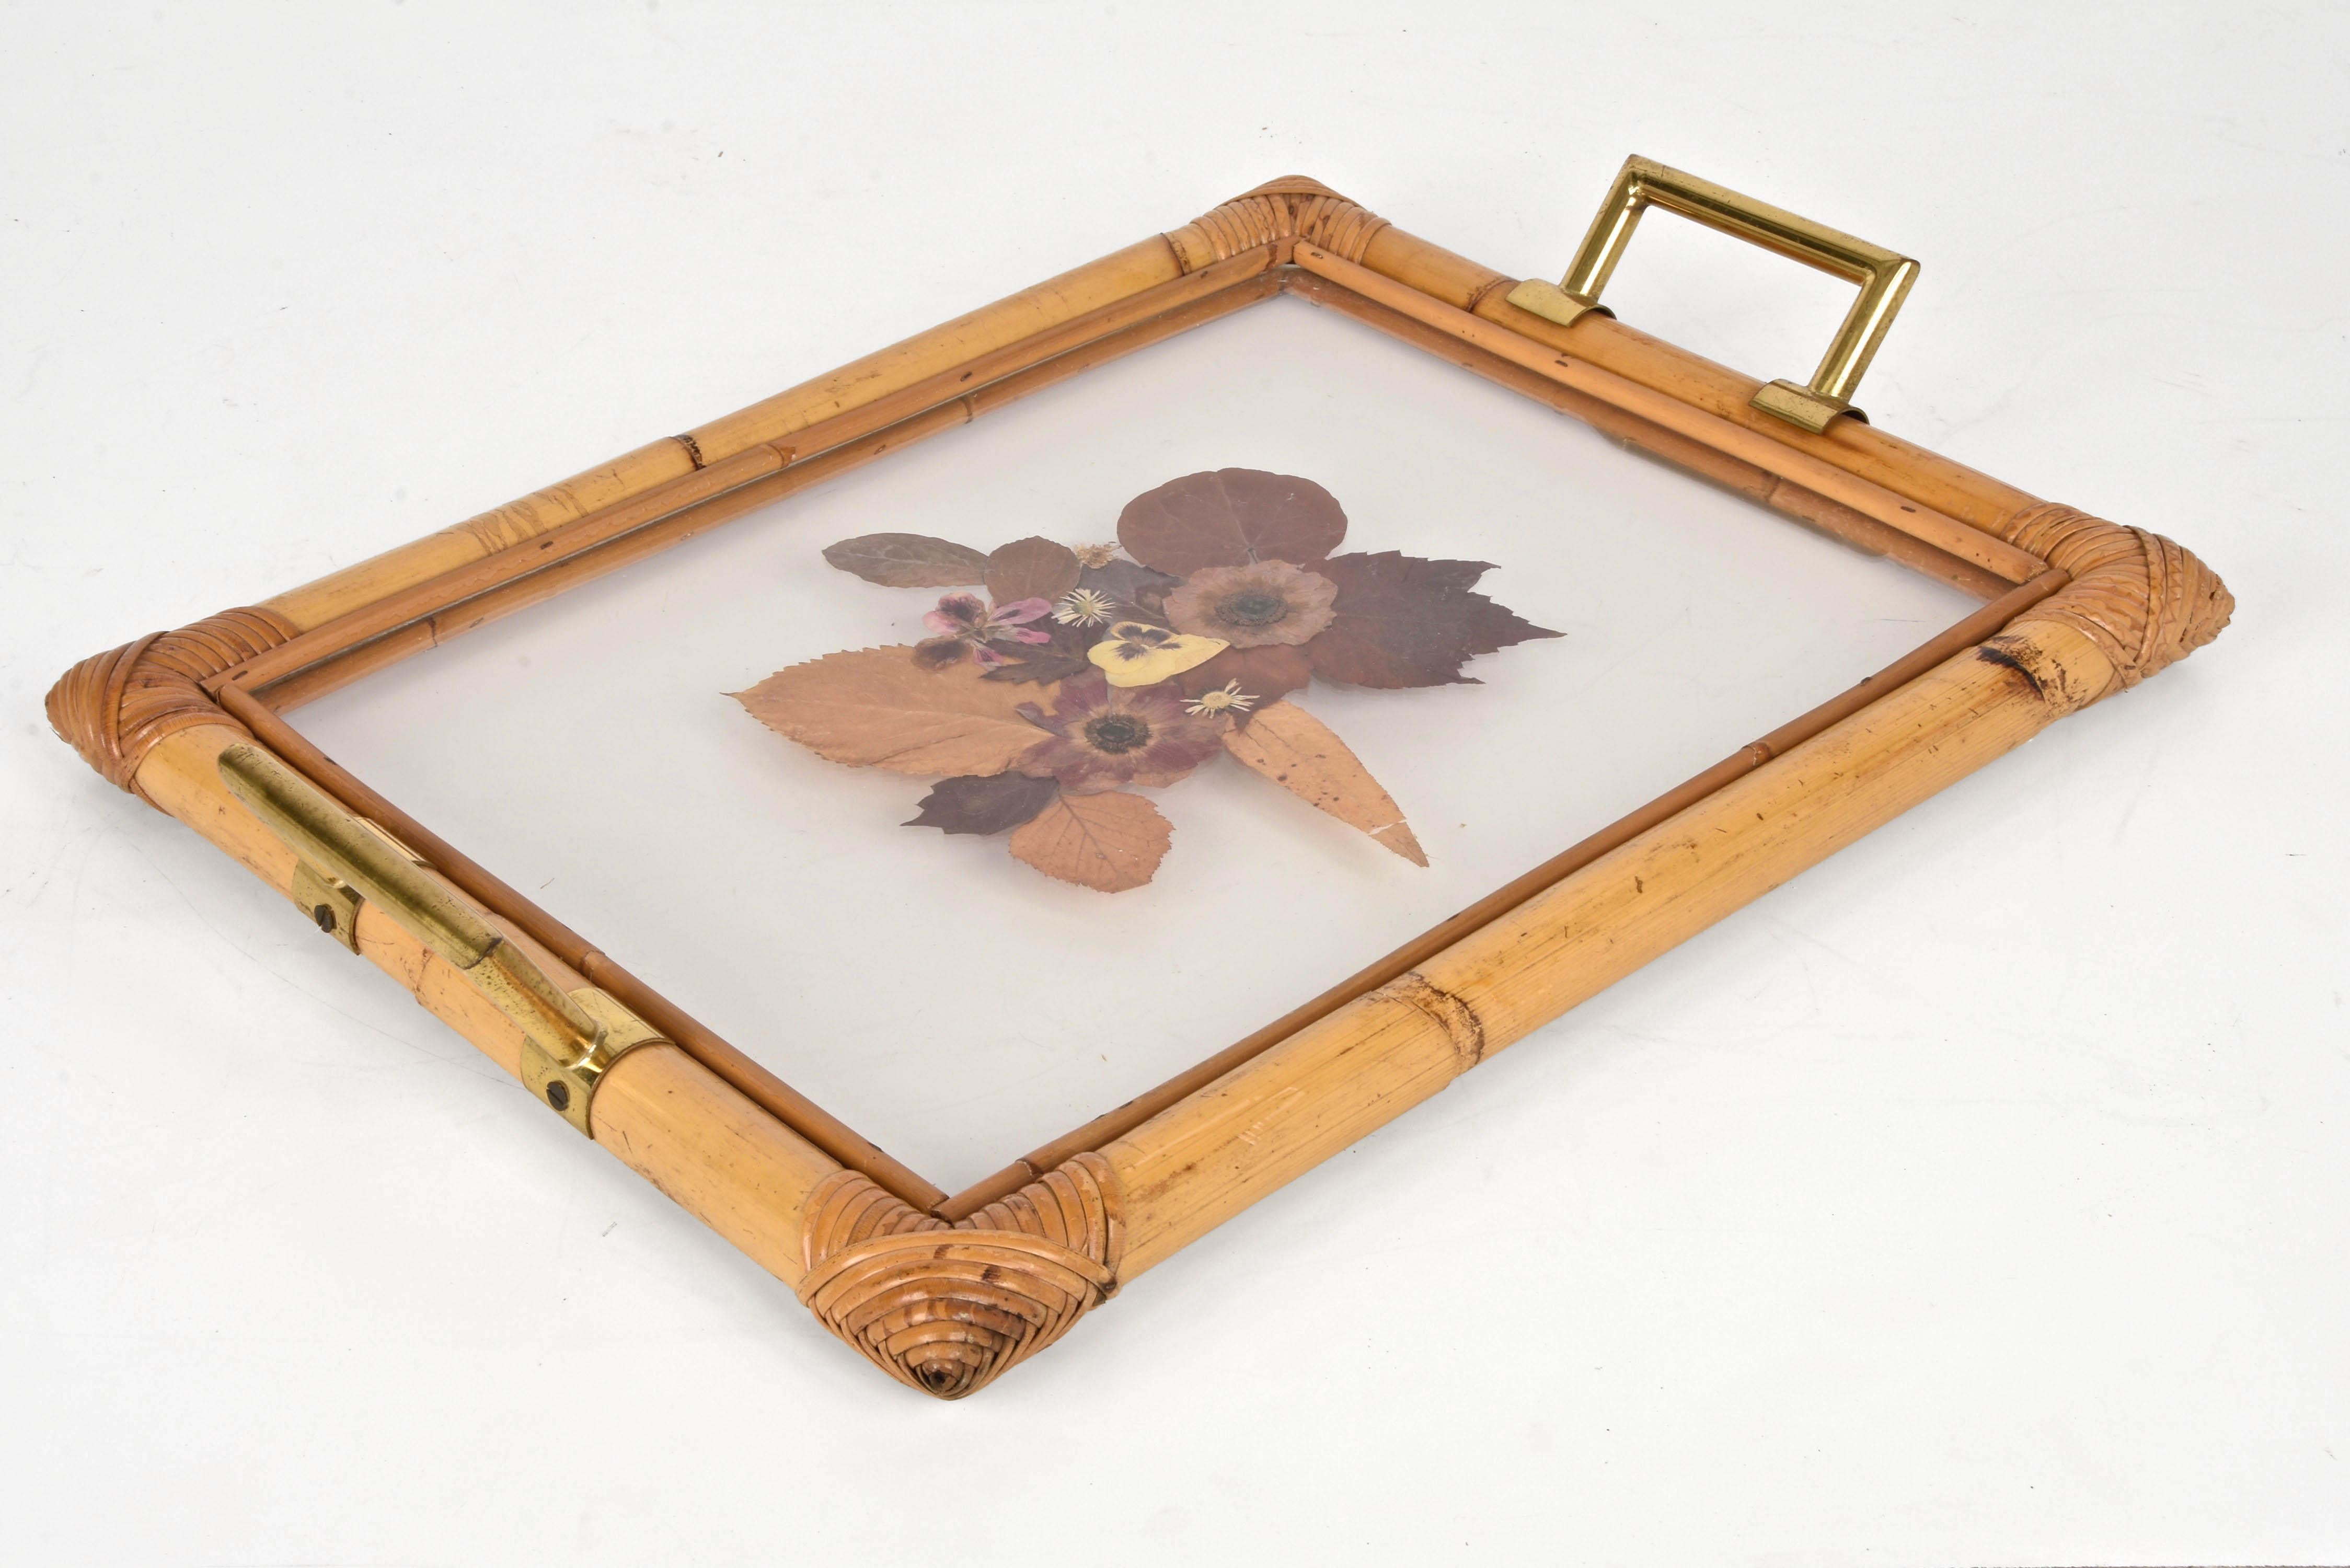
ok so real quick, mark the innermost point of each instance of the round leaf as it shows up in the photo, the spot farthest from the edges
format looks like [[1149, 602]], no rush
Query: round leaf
[[1230, 518], [1031, 568]]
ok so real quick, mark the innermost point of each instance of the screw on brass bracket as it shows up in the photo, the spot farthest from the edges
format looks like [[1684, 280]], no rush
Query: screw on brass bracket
[[332, 904], [570, 1039], [566, 1075], [1883, 277]]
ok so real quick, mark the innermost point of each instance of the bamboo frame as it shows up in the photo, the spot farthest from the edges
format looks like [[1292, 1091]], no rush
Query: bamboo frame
[[946, 1293]]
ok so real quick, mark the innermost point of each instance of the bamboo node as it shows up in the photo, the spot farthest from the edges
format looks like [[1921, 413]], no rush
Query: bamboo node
[[1291, 208], [113, 707], [1448, 1013], [2144, 601], [947, 1309]]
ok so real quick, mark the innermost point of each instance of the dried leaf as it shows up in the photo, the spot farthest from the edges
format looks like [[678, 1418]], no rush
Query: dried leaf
[[1134, 586], [971, 803], [1046, 665], [1230, 518], [1107, 842], [1057, 660], [1031, 568], [877, 708], [1268, 674], [1296, 750], [1402, 620], [908, 561]]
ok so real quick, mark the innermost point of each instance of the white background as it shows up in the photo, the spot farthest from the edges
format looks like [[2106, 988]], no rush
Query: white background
[[1977, 1198]]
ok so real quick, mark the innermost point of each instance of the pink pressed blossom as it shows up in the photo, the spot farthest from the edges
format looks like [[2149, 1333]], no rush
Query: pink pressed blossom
[[966, 627]]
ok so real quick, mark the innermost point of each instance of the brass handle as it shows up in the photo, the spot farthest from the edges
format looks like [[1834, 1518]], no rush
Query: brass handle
[[570, 1038], [1884, 277]]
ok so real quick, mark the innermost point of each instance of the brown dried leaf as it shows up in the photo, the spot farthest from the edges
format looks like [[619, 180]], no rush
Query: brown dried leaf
[[1044, 667], [970, 803], [1031, 568], [876, 708], [1107, 842], [1296, 750], [1137, 587], [1230, 518], [1042, 661], [1402, 620], [908, 561], [1268, 674]]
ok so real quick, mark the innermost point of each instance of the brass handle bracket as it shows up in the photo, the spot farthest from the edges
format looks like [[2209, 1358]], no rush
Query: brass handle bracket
[[566, 1073], [333, 904], [1883, 277], [570, 1039]]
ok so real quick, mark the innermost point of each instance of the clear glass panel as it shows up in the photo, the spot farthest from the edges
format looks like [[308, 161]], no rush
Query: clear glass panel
[[955, 1005]]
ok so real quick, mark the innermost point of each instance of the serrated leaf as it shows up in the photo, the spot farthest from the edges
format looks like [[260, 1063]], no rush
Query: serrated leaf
[[1297, 751], [1404, 620], [1109, 842], [1230, 518], [908, 561], [876, 708], [1031, 568], [971, 803]]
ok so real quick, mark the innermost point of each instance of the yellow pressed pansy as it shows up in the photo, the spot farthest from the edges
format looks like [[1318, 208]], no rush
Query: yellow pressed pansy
[[1134, 654]]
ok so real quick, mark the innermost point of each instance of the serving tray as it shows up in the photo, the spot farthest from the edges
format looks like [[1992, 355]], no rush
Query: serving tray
[[1236, 604]]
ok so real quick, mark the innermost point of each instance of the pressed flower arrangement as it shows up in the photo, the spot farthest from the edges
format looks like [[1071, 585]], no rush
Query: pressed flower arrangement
[[1090, 671]]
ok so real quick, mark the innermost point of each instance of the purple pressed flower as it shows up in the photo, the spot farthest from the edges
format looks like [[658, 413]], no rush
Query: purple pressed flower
[[1100, 736], [965, 626]]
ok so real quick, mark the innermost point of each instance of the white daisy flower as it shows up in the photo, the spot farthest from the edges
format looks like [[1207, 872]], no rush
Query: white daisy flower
[[1085, 606], [1226, 698]]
